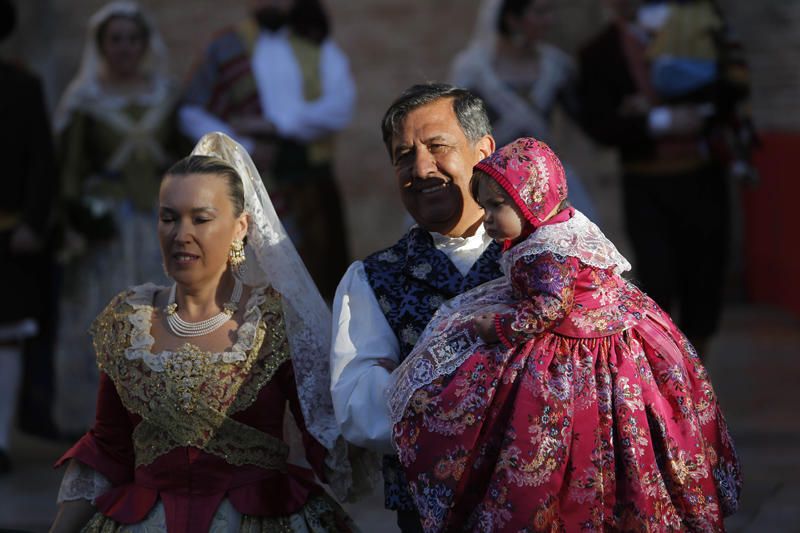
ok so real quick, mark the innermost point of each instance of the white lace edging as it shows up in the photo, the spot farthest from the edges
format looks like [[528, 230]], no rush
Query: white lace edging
[[446, 342], [81, 483], [578, 237], [141, 298]]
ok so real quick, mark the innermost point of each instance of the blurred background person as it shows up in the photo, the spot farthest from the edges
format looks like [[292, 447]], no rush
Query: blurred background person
[[26, 202], [116, 133], [666, 119], [278, 84], [521, 78]]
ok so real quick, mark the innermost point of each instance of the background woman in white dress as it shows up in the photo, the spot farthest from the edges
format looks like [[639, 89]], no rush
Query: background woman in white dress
[[521, 78]]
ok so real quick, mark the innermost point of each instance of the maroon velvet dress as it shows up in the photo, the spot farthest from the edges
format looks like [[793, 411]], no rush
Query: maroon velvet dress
[[190, 429]]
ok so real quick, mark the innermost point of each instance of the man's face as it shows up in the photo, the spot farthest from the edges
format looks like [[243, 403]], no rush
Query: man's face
[[433, 162]]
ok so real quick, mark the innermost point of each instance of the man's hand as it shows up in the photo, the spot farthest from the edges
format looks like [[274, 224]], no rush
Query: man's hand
[[484, 325]]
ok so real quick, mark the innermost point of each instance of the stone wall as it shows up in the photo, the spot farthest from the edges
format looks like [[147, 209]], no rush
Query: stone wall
[[392, 44]]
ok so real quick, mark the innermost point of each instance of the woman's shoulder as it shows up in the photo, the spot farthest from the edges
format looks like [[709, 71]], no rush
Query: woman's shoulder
[[127, 302]]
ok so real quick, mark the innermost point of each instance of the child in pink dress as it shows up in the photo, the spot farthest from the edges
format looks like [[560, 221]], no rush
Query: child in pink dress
[[558, 397]]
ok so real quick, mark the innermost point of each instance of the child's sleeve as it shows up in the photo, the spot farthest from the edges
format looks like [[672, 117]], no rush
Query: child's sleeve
[[544, 285]]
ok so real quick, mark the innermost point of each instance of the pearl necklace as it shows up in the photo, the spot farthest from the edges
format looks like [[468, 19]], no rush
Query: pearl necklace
[[182, 328]]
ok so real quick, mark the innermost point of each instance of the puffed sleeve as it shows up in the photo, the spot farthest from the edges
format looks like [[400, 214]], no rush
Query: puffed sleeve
[[108, 447], [544, 285], [361, 339]]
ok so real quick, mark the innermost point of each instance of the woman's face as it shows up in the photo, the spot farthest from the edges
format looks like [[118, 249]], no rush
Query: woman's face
[[534, 22], [122, 45], [196, 227], [501, 216]]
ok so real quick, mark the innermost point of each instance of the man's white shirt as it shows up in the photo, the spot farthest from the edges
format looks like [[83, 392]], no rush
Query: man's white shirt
[[280, 88], [362, 336]]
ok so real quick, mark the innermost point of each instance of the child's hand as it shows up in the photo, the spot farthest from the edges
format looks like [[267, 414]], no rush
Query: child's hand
[[484, 325]]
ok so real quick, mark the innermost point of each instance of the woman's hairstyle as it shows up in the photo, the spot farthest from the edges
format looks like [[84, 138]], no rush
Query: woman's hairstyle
[[469, 109], [205, 164], [137, 18], [514, 8]]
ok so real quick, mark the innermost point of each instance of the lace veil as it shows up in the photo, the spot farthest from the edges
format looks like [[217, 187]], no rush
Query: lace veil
[[272, 259], [85, 88]]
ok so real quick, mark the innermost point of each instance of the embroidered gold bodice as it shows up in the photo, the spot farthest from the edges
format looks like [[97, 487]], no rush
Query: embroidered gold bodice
[[186, 397]]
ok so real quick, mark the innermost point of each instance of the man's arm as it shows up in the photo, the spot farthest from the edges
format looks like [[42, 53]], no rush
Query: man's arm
[[362, 341]]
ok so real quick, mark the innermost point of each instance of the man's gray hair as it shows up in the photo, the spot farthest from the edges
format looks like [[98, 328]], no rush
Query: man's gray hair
[[468, 108]]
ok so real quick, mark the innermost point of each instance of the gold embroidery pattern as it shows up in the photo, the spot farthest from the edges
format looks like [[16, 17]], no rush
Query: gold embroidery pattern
[[188, 404], [274, 351]]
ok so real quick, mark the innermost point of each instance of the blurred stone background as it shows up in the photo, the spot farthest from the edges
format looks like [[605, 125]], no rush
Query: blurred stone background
[[393, 44]]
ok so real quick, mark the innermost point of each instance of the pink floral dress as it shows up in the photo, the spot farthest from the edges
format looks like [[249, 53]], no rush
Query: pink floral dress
[[594, 413]]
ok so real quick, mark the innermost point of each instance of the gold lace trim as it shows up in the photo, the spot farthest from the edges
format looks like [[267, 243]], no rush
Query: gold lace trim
[[190, 402]]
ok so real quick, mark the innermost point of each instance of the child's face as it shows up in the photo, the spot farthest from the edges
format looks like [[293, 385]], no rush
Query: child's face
[[501, 216]]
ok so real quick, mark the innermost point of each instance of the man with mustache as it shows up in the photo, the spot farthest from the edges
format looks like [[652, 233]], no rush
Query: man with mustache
[[434, 133], [283, 88]]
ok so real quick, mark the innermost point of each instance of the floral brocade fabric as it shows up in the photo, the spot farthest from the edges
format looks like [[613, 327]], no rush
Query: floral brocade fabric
[[185, 397], [594, 414]]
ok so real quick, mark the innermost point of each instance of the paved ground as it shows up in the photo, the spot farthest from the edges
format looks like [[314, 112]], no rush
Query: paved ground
[[754, 363]]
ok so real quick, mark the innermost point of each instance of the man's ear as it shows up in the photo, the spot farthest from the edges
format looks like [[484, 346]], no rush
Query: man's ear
[[485, 146]]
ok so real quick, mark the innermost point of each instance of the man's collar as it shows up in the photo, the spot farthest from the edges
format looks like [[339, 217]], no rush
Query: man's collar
[[440, 240]]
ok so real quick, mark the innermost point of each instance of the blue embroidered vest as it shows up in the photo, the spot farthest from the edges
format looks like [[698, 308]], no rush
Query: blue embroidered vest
[[410, 280]]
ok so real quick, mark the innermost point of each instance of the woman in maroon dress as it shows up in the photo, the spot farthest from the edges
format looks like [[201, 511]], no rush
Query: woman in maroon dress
[[559, 397], [197, 379]]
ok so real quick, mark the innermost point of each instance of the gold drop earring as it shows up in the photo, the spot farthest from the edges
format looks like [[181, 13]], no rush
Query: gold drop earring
[[236, 257]]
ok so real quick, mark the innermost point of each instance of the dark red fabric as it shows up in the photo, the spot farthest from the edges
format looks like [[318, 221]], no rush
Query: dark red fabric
[[190, 482]]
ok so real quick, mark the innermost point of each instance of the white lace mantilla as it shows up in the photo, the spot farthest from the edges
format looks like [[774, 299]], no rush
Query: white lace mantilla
[[578, 237], [141, 298]]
